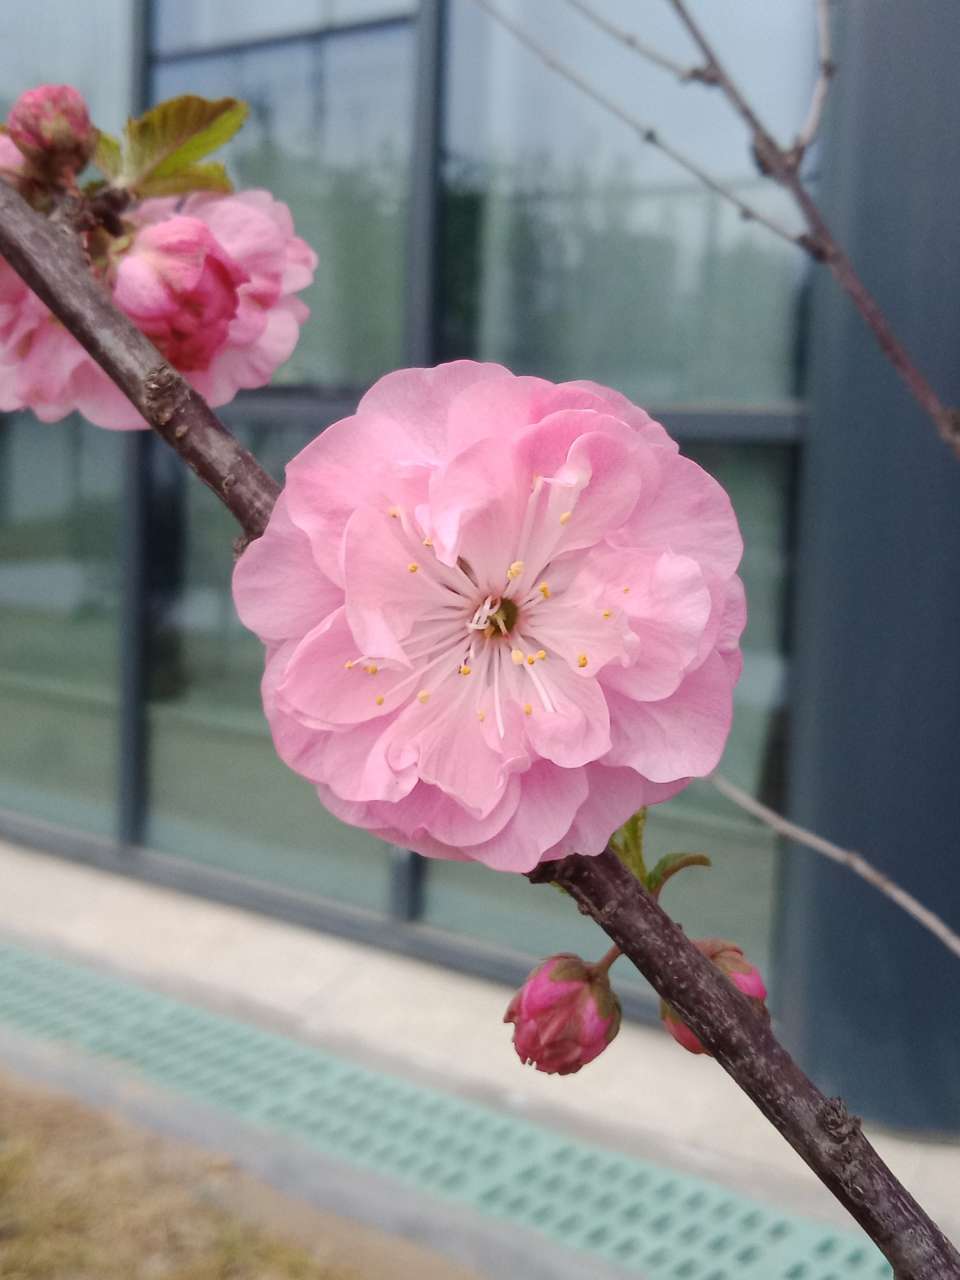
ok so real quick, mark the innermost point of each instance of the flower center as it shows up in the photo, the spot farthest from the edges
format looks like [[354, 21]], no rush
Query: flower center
[[504, 618]]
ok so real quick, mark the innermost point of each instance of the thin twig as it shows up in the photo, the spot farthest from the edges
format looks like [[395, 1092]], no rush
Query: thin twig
[[818, 1128], [164, 398], [632, 42], [854, 862], [643, 131], [826, 70], [782, 166]]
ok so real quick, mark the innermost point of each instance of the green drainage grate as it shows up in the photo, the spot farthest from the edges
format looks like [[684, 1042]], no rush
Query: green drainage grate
[[646, 1219]]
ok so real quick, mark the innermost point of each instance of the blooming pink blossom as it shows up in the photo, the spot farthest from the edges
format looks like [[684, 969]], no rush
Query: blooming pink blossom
[[730, 960], [500, 615], [51, 126], [211, 280], [564, 1015], [180, 287]]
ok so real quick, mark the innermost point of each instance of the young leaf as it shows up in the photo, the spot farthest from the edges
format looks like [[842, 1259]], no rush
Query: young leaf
[[108, 157], [171, 137], [627, 844], [198, 177], [669, 866]]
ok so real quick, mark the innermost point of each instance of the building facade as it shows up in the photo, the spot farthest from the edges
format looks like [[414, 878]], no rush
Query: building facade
[[466, 201]]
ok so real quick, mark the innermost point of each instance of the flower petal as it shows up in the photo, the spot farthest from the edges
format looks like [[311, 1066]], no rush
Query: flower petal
[[682, 736], [277, 588]]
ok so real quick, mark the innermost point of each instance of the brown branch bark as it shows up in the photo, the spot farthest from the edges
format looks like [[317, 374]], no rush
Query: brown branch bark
[[46, 254], [818, 1128], [782, 165]]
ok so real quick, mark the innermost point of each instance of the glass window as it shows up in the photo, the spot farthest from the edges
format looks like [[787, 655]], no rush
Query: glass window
[[59, 597], [572, 250], [60, 496], [195, 24], [59, 41], [329, 133], [218, 792]]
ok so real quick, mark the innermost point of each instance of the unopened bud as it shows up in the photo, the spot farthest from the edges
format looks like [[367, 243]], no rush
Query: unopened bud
[[52, 128], [564, 1015], [730, 960]]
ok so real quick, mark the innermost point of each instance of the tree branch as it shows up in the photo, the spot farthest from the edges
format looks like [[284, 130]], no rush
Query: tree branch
[[47, 256], [783, 167], [819, 1129], [776, 162], [854, 862], [826, 70], [635, 45], [646, 134]]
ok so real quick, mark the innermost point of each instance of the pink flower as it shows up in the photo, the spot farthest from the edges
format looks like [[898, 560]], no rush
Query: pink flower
[[564, 1015], [210, 282], [11, 159], [180, 287], [51, 127], [729, 959], [500, 615]]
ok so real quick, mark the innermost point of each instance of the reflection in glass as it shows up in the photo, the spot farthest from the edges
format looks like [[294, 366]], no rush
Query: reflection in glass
[[329, 134], [218, 792], [59, 589], [571, 250], [199, 24], [89, 46]]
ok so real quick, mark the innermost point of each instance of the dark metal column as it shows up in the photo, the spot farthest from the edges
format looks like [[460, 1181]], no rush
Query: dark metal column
[[132, 737], [869, 1001], [407, 870]]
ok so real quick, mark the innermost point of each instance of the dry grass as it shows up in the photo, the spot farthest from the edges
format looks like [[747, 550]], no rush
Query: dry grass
[[86, 1197]]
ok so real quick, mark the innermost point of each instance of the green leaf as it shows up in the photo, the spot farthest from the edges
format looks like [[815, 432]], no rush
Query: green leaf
[[198, 177], [108, 156], [669, 866], [627, 844], [171, 137]]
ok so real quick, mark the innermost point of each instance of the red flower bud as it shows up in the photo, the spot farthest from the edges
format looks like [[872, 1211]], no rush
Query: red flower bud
[[51, 126], [564, 1015], [729, 959]]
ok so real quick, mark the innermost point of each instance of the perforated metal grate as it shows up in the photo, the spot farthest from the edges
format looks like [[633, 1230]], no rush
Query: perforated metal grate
[[647, 1219]]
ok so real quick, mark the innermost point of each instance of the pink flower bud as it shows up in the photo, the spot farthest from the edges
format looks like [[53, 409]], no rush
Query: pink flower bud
[[180, 286], [729, 959], [51, 126], [564, 1015]]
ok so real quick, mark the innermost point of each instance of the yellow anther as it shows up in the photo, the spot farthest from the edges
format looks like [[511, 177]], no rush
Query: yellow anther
[[465, 670], [516, 657], [393, 512], [541, 654], [608, 613], [527, 709], [371, 669], [428, 542], [515, 570], [350, 664], [423, 695], [531, 659], [544, 590], [565, 517], [412, 567], [582, 660], [481, 716], [379, 699], [626, 591]]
